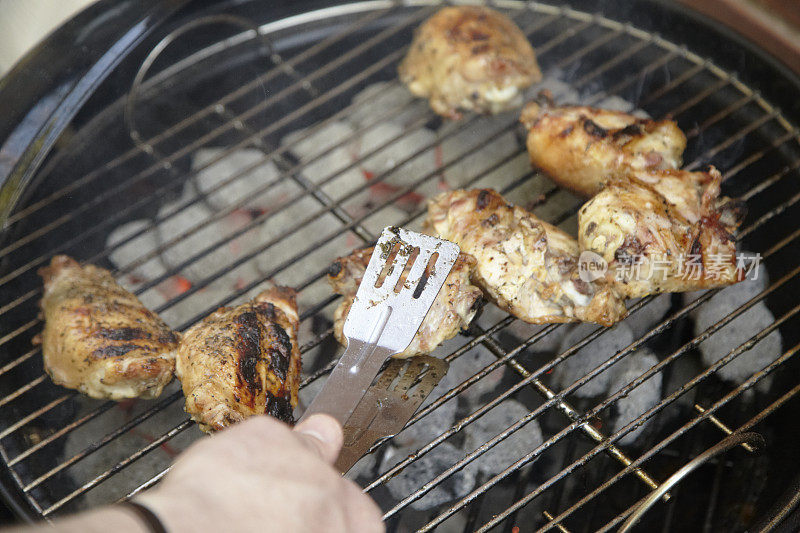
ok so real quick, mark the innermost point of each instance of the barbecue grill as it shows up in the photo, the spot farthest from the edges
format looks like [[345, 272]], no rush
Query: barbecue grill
[[216, 146]]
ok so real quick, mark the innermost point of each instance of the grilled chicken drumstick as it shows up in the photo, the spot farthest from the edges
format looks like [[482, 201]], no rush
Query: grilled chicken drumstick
[[526, 266], [582, 147], [452, 310], [98, 338], [242, 361], [469, 58], [666, 231]]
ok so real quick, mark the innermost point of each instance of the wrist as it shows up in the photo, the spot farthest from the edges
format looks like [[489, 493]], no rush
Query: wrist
[[176, 513], [112, 518]]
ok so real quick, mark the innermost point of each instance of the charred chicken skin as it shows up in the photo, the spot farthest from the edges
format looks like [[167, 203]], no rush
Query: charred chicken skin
[[581, 148], [453, 309], [242, 361], [526, 266], [666, 231], [98, 338], [469, 58]]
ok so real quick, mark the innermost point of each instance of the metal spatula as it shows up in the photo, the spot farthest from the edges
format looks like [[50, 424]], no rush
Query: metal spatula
[[404, 275], [388, 404]]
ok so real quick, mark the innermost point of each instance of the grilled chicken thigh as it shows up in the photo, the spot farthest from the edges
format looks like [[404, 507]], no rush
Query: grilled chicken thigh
[[452, 310], [526, 266], [469, 58], [582, 147], [98, 338], [665, 231], [242, 361]]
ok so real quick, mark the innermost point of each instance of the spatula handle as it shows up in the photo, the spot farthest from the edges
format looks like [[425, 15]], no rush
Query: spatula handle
[[349, 380]]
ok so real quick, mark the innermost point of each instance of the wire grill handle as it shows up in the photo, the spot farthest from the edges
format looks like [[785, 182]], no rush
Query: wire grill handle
[[754, 439]]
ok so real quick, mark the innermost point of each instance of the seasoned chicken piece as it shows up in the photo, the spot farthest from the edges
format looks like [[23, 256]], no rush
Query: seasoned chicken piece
[[582, 147], [242, 361], [469, 58], [526, 266], [452, 310], [98, 338], [663, 231]]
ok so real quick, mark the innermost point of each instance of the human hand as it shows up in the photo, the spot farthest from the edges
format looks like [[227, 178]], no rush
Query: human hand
[[260, 475]]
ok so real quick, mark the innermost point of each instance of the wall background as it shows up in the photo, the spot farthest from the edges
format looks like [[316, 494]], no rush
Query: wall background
[[23, 23]]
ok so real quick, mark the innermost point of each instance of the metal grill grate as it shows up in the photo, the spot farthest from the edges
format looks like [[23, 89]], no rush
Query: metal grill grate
[[66, 451]]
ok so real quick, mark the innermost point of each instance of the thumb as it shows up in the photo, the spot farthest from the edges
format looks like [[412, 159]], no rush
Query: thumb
[[323, 434]]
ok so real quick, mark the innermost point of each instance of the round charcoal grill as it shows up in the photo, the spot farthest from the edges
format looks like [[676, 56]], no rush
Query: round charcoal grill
[[225, 145]]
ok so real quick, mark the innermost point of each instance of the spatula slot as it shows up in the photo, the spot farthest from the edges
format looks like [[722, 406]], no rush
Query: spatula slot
[[412, 258], [388, 266], [429, 271]]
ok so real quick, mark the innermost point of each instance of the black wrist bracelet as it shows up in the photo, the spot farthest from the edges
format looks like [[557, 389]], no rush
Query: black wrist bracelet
[[147, 516]]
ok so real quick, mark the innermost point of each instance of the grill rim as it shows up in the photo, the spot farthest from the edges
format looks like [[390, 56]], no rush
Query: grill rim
[[3, 486]]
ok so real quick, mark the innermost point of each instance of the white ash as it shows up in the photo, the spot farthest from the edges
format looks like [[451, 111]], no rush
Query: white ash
[[118, 449], [309, 144], [549, 343], [638, 400], [739, 330], [377, 98], [425, 469], [589, 357], [649, 316], [428, 427], [463, 368], [497, 420], [733, 334], [241, 189], [130, 252]]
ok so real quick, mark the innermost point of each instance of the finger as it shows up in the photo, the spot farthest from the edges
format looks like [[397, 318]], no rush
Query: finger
[[363, 514], [323, 434]]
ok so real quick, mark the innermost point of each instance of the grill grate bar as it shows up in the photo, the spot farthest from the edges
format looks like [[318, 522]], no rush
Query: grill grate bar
[[174, 270], [119, 466], [735, 138], [133, 422], [109, 437], [61, 432], [272, 127], [699, 97], [627, 54], [209, 109], [328, 179], [528, 379], [189, 148], [34, 415], [25, 388], [219, 214], [749, 383], [18, 361], [595, 411], [716, 117], [487, 338], [743, 347], [105, 441], [666, 401], [687, 75], [777, 143], [120, 215], [496, 401]]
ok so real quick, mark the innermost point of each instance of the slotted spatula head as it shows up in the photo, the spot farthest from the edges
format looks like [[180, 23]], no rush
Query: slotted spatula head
[[404, 275]]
